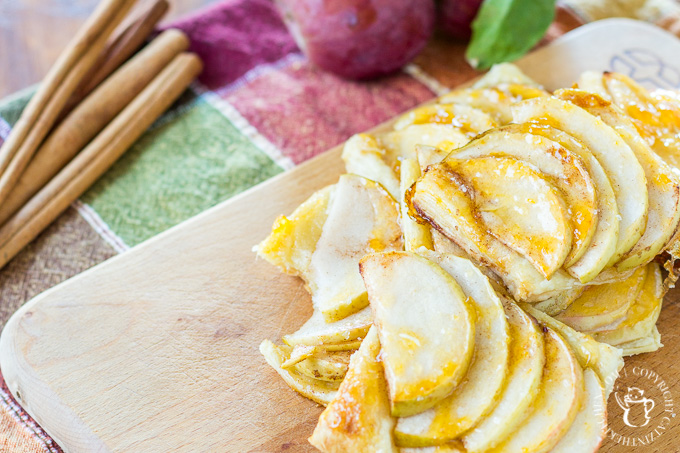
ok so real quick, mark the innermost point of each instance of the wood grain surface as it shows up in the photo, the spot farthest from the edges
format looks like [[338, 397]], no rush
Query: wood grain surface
[[157, 348], [34, 32]]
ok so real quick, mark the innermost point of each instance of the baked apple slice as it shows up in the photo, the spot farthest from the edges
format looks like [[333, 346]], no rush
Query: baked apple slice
[[590, 425], [603, 305], [556, 405], [358, 418], [649, 343], [558, 303], [379, 157], [564, 169], [480, 391], [603, 244], [316, 390], [663, 185], [293, 239], [444, 245], [401, 144], [495, 101], [426, 326], [365, 156], [618, 160], [362, 218], [592, 82], [519, 207], [429, 155], [525, 369], [325, 237], [656, 116], [442, 197], [469, 120], [606, 360], [326, 366], [416, 235], [316, 331], [642, 314]]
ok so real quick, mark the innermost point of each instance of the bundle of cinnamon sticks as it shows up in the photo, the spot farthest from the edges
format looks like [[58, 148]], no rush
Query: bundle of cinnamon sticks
[[90, 108]]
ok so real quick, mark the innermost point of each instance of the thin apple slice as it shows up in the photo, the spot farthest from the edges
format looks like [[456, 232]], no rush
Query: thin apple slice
[[592, 81], [362, 218], [563, 168], [316, 390], [444, 245], [481, 389], [650, 343], [449, 448], [619, 162], [303, 352], [401, 144], [519, 207], [642, 314], [326, 366], [602, 305], [416, 235], [469, 120], [358, 418], [656, 117], [606, 360], [526, 363], [379, 157], [365, 156], [293, 239], [316, 331], [325, 237], [297, 355], [611, 275], [426, 328], [558, 303], [663, 186], [590, 425], [556, 405], [603, 244], [429, 155], [495, 101], [442, 198], [344, 346]]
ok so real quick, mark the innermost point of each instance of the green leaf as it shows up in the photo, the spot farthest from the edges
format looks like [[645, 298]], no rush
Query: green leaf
[[504, 30]]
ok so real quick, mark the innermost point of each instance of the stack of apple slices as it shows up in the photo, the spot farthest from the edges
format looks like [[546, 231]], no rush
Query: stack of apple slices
[[569, 195], [322, 242], [450, 366], [478, 274], [623, 314], [445, 363]]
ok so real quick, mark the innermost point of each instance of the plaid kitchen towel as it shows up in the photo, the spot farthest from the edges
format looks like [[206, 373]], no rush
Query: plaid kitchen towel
[[259, 108]]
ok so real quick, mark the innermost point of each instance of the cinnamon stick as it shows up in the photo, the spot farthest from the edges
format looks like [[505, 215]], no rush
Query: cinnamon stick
[[98, 156], [124, 42], [92, 115], [43, 109]]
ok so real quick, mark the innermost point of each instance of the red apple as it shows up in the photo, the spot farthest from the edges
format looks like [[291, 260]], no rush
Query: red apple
[[455, 17], [359, 39]]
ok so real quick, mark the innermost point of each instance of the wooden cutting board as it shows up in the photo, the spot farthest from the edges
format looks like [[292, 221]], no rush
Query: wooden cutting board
[[156, 350]]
